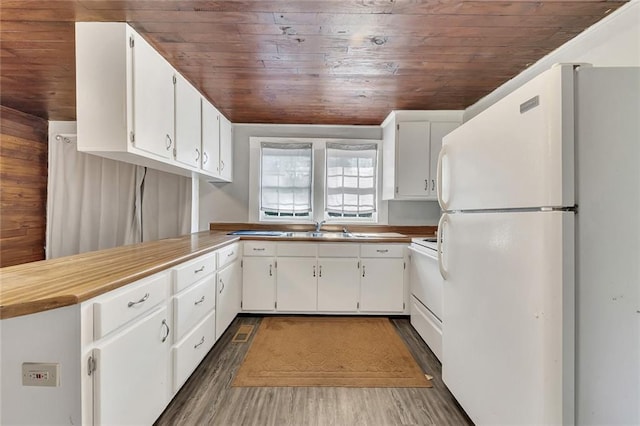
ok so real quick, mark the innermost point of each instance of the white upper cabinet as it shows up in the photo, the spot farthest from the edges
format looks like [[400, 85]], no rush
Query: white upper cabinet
[[210, 138], [216, 143], [226, 151], [132, 106], [411, 144], [188, 148], [153, 108]]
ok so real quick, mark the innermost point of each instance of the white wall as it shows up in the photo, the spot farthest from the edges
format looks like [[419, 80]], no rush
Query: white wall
[[230, 202], [54, 337], [613, 41]]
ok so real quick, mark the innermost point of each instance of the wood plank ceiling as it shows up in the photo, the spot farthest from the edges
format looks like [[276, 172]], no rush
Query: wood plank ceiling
[[299, 61]]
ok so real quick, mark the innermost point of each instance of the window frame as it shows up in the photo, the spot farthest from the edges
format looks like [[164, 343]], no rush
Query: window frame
[[318, 212]]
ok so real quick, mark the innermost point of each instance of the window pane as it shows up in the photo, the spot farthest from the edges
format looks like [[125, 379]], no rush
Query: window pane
[[285, 182], [351, 180]]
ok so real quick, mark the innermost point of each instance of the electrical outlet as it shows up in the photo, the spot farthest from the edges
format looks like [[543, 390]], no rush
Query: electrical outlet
[[40, 374]]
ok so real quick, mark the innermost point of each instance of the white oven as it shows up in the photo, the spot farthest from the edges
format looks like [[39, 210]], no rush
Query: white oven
[[426, 293]]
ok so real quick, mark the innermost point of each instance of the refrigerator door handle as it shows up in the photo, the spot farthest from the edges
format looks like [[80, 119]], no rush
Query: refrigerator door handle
[[444, 220], [443, 204]]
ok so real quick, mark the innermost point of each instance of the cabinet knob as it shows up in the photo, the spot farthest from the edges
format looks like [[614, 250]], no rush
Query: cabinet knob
[[197, 154], [426, 184], [168, 142], [221, 288], [205, 157], [433, 184]]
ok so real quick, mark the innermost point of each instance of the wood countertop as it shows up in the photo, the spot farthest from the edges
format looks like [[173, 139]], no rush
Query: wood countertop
[[49, 284]]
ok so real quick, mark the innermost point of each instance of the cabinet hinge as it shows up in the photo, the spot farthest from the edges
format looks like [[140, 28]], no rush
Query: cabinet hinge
[[132, 137], [404, 265], [242, 263], [403, 306], [131, 42], [397, 189], [398, 127], [358, 264], [358, 305], [91, 365], [174, 153], [275, 264], [174, 79], [241, 304], [275, 305]]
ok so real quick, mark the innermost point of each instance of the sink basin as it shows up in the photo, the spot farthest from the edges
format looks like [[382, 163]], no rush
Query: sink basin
[[321, 234], [263, 233]]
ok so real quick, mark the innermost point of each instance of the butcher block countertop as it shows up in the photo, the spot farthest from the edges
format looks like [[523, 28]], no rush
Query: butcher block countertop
[[49, 284]]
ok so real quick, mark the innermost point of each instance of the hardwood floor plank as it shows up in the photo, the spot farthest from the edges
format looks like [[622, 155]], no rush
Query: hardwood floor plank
[[207, 398]]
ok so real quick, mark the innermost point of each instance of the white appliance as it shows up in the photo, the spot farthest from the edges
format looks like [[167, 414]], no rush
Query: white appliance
[[426, 293], [534, 291]]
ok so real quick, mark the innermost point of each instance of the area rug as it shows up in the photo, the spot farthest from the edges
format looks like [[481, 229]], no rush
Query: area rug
[[329, 351]]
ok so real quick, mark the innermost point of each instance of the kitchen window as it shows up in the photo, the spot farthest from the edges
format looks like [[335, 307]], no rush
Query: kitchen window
[[310, 180], [286, 180], [351, 181]]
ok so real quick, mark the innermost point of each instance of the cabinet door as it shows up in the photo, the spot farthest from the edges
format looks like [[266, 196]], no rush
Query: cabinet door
[[226, 149], [210, 138], [338, 289], [229, 296], [382, 285], [297, 284], [188, 123], [438, 131], [258, 283], [412, 161], [132, 375], [153, 100]]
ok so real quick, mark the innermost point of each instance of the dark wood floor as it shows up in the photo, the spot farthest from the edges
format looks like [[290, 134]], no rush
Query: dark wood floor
[[207, 398]]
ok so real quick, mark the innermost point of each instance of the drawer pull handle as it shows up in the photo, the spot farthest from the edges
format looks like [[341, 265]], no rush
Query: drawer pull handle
[[144, 299], [258, 249], [197, 345], [383, 251], [200, 269], [221, 288], [363, 270], [197, 302], [231, 254], [164, 323]]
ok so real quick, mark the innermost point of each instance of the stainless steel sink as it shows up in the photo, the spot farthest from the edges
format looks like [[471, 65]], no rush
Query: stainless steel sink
[[321, 234]]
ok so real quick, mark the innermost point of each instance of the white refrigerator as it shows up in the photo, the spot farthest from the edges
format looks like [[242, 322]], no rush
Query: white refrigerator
[[539, 249]]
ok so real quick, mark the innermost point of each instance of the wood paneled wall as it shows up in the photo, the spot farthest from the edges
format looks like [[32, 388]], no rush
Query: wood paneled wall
[[23, 186]]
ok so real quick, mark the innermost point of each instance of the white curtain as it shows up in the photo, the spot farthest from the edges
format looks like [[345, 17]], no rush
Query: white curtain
[[95, 203]]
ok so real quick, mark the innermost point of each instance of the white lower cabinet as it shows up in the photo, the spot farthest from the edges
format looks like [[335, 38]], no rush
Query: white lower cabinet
[[297, 284], [338, 289], [382, 278], [192, 349], [302, 277], [229, 296], [131, 381], [191, 305], [258, 284]]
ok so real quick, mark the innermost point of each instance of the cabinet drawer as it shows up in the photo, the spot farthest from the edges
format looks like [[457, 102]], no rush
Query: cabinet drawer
[[427, 326], [190, 306], [128, 302], [297, 249], [259, 248], [382, 250], [228, 254], [338, 250], [189, 272], [192, 349]]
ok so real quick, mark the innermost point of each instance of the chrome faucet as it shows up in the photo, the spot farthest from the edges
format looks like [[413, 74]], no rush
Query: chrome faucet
[[319, 225]]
